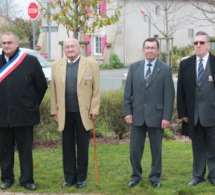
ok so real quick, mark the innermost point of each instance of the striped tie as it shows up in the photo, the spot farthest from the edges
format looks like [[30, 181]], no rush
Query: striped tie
[[148, 74], [200, 71]]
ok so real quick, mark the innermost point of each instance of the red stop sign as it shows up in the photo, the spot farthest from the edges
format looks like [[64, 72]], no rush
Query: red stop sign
[[33, 11]]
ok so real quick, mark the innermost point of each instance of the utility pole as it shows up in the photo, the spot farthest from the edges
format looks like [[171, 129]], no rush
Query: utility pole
[[6, 8]]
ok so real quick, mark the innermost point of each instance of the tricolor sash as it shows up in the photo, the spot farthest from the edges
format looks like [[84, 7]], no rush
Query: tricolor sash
[[11, 65]]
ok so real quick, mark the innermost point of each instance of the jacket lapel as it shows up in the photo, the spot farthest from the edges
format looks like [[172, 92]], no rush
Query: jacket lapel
[[81, 69], [63, 65], [206, 73], [141, 72], [193, 72], [212, 66]]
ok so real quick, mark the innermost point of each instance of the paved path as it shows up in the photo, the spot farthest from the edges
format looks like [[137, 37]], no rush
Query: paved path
[[113, 79]]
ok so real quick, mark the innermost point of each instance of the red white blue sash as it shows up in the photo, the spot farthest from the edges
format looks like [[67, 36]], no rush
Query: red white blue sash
[[11, 65]]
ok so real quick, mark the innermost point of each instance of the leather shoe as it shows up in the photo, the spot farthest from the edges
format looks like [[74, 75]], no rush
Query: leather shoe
[[132, 183], [6, 185], [30, 186], [194, 182], [81, 184], [212, 182], [156, 184], [67, 184]]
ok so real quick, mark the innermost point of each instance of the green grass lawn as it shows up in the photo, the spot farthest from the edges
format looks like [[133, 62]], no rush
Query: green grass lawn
[[114, 172]]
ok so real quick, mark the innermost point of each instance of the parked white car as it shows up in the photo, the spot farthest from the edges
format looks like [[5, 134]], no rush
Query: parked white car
[[46, 66]]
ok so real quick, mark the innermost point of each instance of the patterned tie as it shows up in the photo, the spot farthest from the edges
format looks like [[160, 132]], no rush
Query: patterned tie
[[200, 71], [148, 74]]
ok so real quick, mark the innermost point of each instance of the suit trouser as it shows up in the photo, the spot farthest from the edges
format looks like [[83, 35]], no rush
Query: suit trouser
[[203, 144], [23, 136], [137, 142], [74, 132]]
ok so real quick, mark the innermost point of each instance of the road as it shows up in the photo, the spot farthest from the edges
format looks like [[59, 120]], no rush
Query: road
[[112, 79]]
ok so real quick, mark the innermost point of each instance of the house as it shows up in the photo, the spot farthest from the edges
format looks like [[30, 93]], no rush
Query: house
[[139, 20]]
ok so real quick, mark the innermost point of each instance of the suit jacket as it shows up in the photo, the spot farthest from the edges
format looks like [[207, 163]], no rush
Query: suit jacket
[[151, 103], [186, 93], [88, 90], [21, 93]]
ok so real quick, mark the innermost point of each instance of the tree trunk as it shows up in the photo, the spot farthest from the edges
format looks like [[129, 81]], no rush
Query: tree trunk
[[76, 22], [167, 50]]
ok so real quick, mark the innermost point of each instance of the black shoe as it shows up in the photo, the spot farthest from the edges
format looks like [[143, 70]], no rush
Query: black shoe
[[81, 184], [212, 182], [194, 182], [30, 186], [67, 184], [6, 185], [132, 183], [156, 184]]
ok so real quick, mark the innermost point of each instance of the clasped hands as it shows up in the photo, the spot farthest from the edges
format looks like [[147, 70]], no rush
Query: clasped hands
[[164, 123]]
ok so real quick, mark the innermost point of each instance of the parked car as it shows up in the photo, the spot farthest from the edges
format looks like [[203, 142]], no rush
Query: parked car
[[46, 66]]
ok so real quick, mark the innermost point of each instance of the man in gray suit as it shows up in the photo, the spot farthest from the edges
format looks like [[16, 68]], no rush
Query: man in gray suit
[[148, 106], [196, 106]]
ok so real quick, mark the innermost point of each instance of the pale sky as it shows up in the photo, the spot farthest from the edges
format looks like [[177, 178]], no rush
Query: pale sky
[[23, 4]]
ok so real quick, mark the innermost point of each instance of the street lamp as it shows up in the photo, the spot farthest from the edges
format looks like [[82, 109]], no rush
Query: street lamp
[[149, 18]]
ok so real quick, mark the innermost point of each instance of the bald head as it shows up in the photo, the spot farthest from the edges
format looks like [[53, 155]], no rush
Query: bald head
[[71, 48]]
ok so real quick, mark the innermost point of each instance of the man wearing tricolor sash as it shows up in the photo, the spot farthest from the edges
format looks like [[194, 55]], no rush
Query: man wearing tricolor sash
[[22, 87]]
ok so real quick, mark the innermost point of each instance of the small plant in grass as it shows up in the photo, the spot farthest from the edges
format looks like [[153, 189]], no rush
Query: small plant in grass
[[47, 129], [111, 112], [105, 66], [168, 134], [115, 62]]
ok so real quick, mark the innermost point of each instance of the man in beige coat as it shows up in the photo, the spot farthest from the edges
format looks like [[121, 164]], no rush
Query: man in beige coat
[[75, 101]]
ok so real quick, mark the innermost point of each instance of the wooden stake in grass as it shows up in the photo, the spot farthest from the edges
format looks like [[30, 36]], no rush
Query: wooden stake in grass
[[94, 138]]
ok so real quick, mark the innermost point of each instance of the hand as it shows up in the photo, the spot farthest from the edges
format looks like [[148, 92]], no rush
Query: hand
[[185, 119], [128, 119], [55, 118], [92, 116], [164, 124]]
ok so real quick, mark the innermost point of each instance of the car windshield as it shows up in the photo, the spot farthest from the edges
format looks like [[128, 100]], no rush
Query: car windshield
[[44, 63]]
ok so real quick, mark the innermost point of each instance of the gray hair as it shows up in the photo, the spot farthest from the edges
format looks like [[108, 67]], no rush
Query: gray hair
[[12, 33], [203, 33]]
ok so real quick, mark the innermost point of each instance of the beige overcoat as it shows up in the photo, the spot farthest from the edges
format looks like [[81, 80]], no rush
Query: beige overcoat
[[88, 90]]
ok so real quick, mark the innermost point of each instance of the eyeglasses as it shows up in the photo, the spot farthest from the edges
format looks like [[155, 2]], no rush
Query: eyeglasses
[[200, 42], [8, 43], [148, 48]]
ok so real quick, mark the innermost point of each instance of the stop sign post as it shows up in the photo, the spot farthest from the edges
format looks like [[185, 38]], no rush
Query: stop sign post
[[33, 12]]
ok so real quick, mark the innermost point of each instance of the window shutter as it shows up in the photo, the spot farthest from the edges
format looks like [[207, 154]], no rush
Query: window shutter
[[103, 43], [87, 38], [103, 7]]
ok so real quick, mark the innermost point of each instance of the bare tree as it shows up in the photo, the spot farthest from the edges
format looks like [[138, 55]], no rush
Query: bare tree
[[167, 16], [207, 8], [9, 8]]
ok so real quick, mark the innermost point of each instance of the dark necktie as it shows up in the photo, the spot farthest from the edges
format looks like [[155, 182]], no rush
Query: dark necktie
[[148, 74], [200, 71]]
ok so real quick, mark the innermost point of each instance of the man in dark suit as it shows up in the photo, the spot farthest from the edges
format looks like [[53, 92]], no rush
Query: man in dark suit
[[196, 106], [22, 87], [148, 106]]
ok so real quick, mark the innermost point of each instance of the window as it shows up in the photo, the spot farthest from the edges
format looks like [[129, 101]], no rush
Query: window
[[157, 9], [98, 46]]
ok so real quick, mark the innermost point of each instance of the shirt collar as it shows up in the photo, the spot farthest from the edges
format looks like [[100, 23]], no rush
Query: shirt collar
[[152, 63], [74, 60], [205, 58], [6, 58]]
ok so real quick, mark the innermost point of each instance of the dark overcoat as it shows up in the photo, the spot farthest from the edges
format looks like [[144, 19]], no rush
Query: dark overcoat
[[21, 93]]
